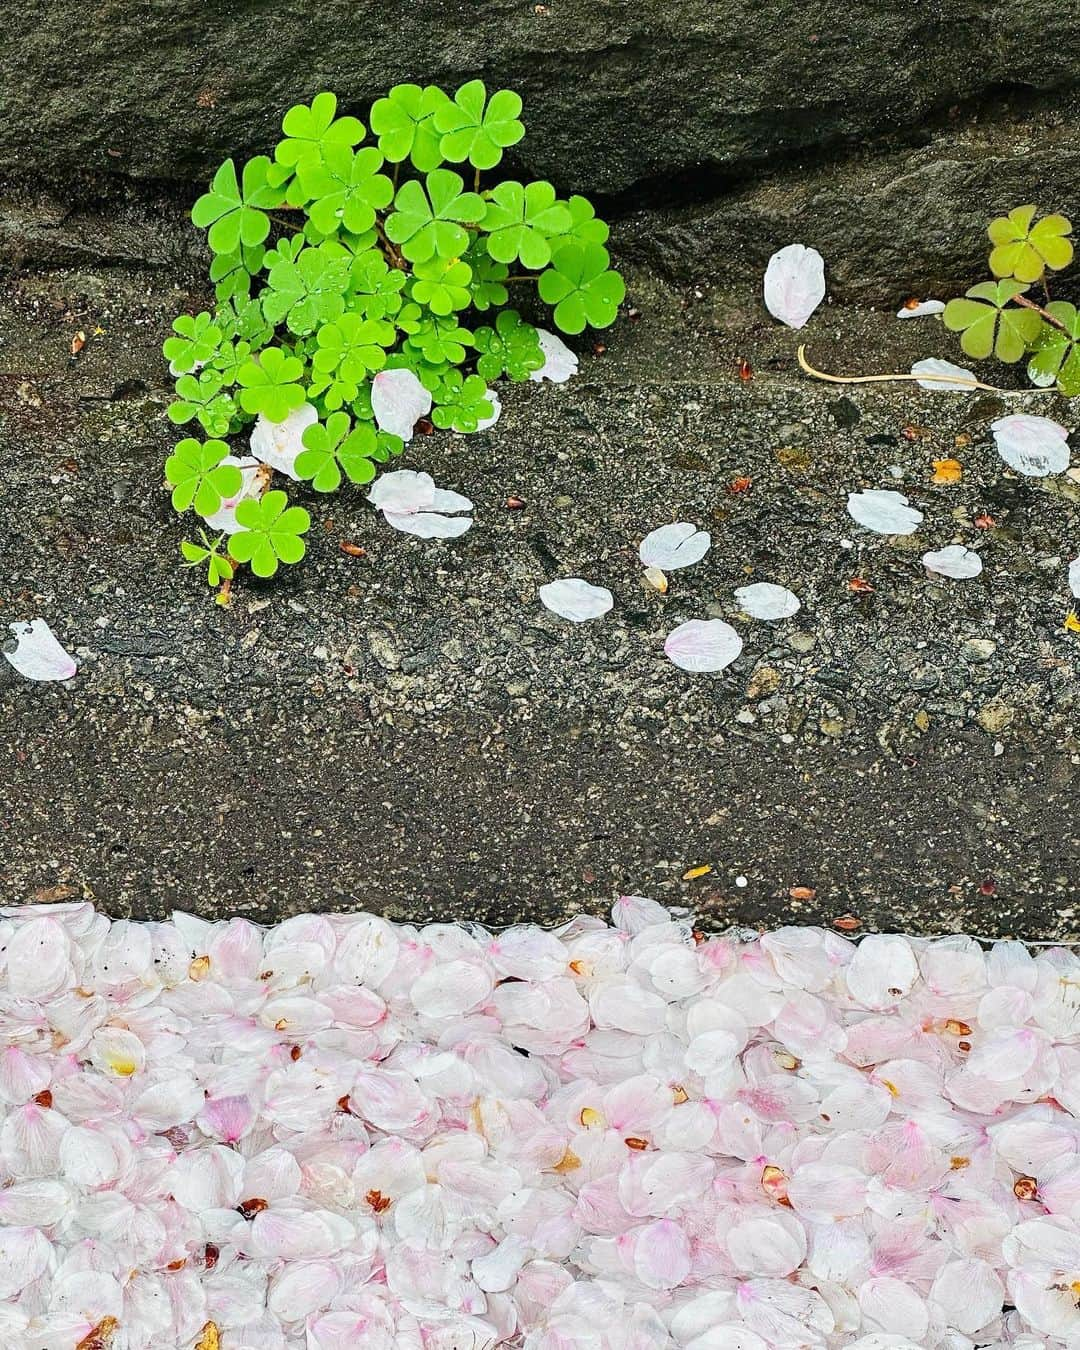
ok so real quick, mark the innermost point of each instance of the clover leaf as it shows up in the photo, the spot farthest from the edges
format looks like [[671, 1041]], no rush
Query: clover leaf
[[581, 287], [232, 273], [986, 325], [462, 402], [197, 475], [488, 276], [585, 227], [427, 219], [201, 398], [271, 384], [1024, 250], [521, 221], [346, 352], [333, 446], [195, 344], [404, 122], [345, 188], [309, 291], [476, 128], [310, 130], [374, 287], [1056, 356], [442, 285], [511, 348], [438, 340], [242, 318], [234, 213], [270, 532], [218, 567]]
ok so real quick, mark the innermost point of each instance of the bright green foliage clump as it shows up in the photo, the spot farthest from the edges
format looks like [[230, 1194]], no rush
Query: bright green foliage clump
[[344, 255], [999, 318]]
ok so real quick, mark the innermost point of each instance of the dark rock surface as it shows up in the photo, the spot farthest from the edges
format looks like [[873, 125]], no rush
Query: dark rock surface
[[410, 731], [618, 93]]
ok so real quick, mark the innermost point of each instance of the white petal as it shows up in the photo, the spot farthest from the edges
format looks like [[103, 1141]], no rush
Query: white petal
[[427, 524], [674, 546], [764, 600], [1074, 577], [702, 646], [954, 560], [882, 971], [577, 600], [253, 484], [967, 1295], [883, 511], [39, 960], [1034, 446], [403, 490], [486, 423], [922, 308], [279, 443], [399, 400], [559, 361], [951, 377], [445, 500], [37, 654], [794, 284], [450, 989], [24, 1255]]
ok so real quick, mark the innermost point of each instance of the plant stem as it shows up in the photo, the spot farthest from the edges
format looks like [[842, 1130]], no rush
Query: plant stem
[[524, 276], [476, 181], [1030, 304], [397, 168], [932, 379]]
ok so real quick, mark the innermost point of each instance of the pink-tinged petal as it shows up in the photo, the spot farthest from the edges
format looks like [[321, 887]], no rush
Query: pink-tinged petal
[[278, 444], [882, 971], [497, 1271], [398, 401], [784, 1314], [794, 284], [560, 363], [295, 1235], [703, 646], [34, 1204], [25, 1254], [662, 1255], [226, 1119], [37, 655], [824, 1192], [673, 546], [253, 482], [208, 1178], [451, 989], [625, 1006], [22, 1076], [303, 1289], [967, 1295], [1034, 446], [30, 1140], [88, 1157]]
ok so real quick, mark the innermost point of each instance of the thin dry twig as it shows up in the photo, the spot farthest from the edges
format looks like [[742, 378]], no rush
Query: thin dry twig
[[884, 379]]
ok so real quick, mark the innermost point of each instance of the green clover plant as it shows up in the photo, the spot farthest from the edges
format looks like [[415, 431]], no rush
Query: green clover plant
[[345, 254], [1000, 318]]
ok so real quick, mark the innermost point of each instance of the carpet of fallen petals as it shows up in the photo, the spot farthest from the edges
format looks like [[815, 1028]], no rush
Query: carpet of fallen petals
[[342, 1132]]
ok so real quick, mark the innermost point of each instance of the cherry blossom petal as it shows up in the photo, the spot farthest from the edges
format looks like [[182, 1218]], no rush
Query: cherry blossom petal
[[37, 654], [921, 310], [662, 1255], [948, 377], [882, 971], [559, 361], [411, 502], [883, 511], [764, 600], [398, 401], [279, 443], [1034, 446], [1074, 577], [673, 546], [24, 1256], [577, 600], [967, 1295], [702, 646], [794, 284], [955, 561], [253, 481]]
